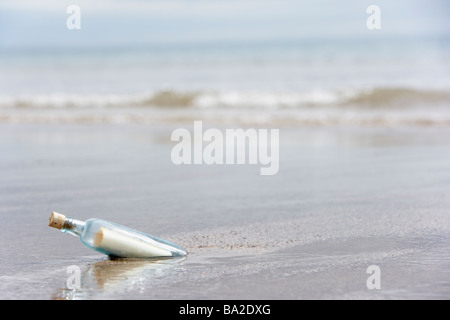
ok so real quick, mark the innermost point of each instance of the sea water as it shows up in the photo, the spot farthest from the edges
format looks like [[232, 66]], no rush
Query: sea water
[[360, 81]]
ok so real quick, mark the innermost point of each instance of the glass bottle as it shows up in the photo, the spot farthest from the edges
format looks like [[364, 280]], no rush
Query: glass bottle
[[115, 240]]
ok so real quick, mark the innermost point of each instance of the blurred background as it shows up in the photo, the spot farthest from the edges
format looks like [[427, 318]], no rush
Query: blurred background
[[232, 62]]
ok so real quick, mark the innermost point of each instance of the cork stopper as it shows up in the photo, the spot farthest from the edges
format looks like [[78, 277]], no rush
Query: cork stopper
[[56, 220]]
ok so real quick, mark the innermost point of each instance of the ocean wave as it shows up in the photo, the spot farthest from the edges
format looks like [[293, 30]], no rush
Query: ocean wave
[[262, 100], [398, 97], [379, 106]]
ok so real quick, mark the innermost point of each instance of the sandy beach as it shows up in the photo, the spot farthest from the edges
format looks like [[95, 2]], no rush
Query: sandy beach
[[344, 199]]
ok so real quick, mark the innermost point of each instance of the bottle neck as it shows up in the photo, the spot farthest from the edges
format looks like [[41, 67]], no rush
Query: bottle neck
[[73, 226]]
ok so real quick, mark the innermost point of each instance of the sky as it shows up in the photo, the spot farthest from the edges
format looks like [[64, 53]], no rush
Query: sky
[[31, 23]]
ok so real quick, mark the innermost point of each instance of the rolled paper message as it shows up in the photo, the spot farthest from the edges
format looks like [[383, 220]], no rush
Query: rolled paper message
[[126, 246]]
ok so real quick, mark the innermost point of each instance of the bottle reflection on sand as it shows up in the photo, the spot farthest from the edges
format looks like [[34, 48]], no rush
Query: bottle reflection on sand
[[117, 277]]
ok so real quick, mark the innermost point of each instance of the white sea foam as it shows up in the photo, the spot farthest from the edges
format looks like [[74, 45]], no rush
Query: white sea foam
[[377, 106], [262, 100]]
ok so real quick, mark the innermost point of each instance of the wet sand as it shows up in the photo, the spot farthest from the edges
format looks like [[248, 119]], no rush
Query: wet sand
[[344, 199]]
